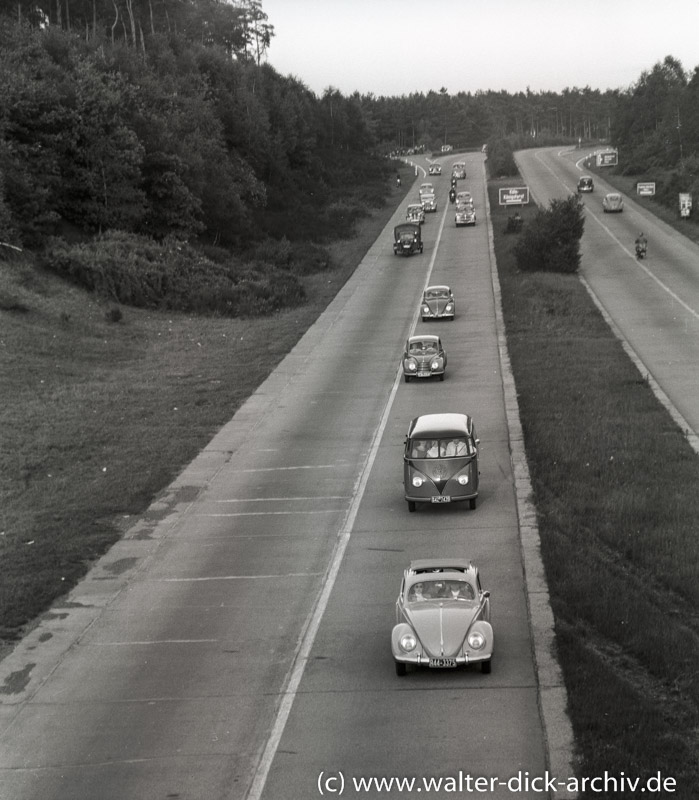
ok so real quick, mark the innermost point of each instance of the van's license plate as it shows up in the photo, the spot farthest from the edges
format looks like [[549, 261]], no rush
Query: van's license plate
[[441, 498], [442, 663]]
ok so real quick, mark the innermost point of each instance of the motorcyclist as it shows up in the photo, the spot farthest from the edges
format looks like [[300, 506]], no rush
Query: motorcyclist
[[641, 245], [397, 179], [452, 194]]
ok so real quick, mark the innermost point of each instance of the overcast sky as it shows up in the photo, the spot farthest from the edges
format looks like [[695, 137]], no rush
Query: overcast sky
[[395, 47]]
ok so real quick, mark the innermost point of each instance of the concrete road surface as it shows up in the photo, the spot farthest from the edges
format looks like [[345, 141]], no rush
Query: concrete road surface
[[236, 643], [654, 303]]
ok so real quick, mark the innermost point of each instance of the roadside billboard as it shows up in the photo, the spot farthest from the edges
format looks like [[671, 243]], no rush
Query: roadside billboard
[[645, 189], [515, 196], [609, 158]]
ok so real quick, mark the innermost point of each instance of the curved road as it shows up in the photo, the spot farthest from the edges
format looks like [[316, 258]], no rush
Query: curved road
[[653, 303], [236, 643]]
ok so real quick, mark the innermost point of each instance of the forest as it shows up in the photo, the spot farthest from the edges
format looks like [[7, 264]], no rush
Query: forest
[[158, 128]]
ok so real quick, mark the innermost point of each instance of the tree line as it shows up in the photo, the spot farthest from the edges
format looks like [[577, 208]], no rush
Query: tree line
[[163, 118]]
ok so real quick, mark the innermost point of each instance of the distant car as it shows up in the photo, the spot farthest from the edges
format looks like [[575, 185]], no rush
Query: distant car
[[464, 197], [437, 303], [429, 202], [415, 213], [435, 169], [425, 188], [440, 461], [424, 357], [465, 214], [586, 184], [613, 203], [407, 239], [458, 170], [442, 617]]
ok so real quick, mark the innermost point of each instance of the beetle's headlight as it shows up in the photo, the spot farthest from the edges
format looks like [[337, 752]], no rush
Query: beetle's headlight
[[463, 479], [425, 309], [408, 642], [476, 640], [418, 480], [449, 307]]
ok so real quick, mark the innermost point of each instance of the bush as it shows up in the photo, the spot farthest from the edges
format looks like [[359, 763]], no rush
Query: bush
[[551, 241], [132, 270]]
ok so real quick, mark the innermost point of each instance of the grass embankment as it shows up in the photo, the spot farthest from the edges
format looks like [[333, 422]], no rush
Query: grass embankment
[[98, 416], [615, 487]]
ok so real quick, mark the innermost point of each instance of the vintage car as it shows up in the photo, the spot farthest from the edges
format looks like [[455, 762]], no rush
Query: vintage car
[[407, 239], [425, 188], [429, 203], [415, 213], [442, 617], [423, 357], [464, 197], [435, 169], [465, 214], [613, 203], [586, 184], [437, 303], [440, 461], [458, 170]]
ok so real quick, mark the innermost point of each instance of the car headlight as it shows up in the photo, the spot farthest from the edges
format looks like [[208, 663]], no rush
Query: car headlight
[[463, 479], [435, 364], [408, 642], [418, 481], [411, 365], [476, 640], [425, 309], [449, 307]]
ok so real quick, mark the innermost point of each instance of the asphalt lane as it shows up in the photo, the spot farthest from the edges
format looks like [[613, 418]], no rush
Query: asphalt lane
[[163, 673], [654, 303]]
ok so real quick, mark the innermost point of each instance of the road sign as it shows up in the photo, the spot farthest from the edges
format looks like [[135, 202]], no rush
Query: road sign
[[609, 158], [516, 196], [685, 204], [645, 189]]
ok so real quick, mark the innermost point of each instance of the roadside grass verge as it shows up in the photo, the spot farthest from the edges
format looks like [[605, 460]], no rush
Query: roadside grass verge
[[100, 410], [614, 484]]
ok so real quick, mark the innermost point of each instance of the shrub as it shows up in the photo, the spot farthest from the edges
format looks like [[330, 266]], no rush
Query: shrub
[[132, 270], [551, 241]]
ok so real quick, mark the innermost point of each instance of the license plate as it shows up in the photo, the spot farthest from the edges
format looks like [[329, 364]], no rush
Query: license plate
[[441, 498], [424, 374], [442, 663]]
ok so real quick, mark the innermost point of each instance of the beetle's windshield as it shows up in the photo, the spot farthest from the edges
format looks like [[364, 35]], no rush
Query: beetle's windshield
[[441, 590], [436, 294]]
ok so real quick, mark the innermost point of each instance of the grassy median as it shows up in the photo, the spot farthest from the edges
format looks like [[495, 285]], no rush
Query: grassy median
[[615, 487]]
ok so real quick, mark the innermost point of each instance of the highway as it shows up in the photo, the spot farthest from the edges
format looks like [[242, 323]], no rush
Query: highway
[[236, 643], [654, 303]]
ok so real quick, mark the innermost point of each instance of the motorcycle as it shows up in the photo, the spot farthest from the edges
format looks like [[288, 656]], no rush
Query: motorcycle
[[641, 248], [398, 181], [452, 196]]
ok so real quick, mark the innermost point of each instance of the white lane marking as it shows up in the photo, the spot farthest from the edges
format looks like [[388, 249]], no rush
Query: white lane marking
[[283, 499], [149, 642], [211, 578], [312, 623], [273, 513], [300, 466]]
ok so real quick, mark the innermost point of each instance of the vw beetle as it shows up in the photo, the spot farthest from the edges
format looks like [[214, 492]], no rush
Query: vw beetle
[[437, 303], [440, 461], [442, 617], [407, 239]]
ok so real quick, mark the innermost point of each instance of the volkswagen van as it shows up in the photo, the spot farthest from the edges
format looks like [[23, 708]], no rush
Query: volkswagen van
[[440, 461]]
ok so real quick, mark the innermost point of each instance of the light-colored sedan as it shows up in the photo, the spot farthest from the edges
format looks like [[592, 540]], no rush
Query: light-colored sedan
[[442, 617], [435, 169], [465, 214], [415, 213], [613, 203]]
